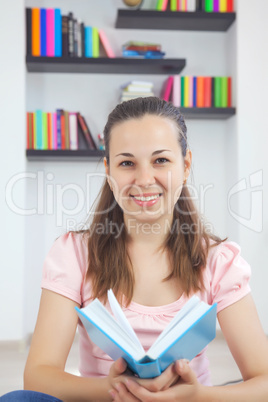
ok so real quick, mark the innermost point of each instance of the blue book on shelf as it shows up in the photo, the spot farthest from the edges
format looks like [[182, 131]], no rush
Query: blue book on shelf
[[88, 42], [193, 327], [58, 33], [194, 92], [38, 128], [58, 113], [43, 32]]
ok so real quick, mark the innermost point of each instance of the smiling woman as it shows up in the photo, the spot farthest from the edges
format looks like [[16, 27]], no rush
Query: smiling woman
[[147, 242]]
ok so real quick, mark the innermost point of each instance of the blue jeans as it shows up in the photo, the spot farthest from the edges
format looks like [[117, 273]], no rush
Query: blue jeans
[[28, 396]]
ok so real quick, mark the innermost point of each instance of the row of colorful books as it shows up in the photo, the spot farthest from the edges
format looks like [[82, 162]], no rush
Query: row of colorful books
[[196, 5], [189, 91], [54, 35], [136, 89], [142, 50], [57, 130]]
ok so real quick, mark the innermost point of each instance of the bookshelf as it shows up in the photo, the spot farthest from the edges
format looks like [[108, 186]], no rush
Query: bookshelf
[[213, 113], [64, 155], [174, 20], [104, 65]]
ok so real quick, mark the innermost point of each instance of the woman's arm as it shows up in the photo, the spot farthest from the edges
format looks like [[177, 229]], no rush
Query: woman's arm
[[51, 343], [248, 344]]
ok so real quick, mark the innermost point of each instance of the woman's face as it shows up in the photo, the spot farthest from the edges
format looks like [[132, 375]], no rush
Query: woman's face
[[147, 168]]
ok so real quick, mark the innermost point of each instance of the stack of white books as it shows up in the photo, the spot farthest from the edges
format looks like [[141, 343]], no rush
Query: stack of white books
[[136, 89]]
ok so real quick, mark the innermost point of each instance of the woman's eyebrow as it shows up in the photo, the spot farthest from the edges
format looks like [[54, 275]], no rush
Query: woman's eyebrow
[[129, 155]]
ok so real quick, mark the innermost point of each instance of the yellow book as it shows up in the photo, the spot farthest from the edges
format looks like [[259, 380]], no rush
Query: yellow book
[[183, 5], [186, 91], [95, 42], [223, 6]]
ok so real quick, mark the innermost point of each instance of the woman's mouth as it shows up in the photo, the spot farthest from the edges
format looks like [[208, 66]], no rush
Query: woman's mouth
[[146, 199]]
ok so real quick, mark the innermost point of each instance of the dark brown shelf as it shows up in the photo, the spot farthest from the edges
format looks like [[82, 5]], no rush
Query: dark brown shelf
[[102, 65], [64, 155], [209, 113], [174, 20]]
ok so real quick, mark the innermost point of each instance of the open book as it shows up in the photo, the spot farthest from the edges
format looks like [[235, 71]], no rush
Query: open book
[[192, 328]]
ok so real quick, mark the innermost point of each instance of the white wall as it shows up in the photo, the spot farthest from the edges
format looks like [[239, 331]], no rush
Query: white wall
[[219, 148]]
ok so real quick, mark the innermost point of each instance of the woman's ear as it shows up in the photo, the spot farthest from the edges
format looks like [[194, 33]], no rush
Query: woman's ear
[[107, 171], [187, 164]]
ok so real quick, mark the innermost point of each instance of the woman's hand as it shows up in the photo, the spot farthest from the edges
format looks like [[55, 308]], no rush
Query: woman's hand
[[186, 387]]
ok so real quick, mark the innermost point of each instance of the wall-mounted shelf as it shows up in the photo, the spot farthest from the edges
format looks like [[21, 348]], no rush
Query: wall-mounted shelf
[[211, 113], [174, 20], [64, 155], [102, 65]]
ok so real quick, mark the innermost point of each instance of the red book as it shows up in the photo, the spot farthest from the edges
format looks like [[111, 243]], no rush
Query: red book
[[62, 125], [207, 91], [85, 131], [229, 93], [200, 88], [168, 88], [230, 6], [28, 131]]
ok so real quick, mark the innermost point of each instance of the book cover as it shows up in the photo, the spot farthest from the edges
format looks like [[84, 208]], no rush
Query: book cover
[[71, 34], [65, 35], [182, 91], [223, 6], [95, 42], [43, 32], [105, 43], [183, 5], [58, 30], [200, 92], [185, 336], [190, 86], [186, 92], [229, 92], [191, 5], [143, 46], [29, 131], [86, 132], [67, 130], [28, 15], [159, 5], [207, 91], [54, 131], [194, 91], [213, 91], [58, 114], [224, 91], [44, 131], [230, 6], [75, 25], [209, 6], [49, 131], [173, 5], [79, 39], [36, 32], [34, 131], [216, 7], [176, 90], [167, 89], [50, 32], [88, 42], [38, 129], [62, 130], [73, 130], [83, 39], [217, 91], [164, 5]]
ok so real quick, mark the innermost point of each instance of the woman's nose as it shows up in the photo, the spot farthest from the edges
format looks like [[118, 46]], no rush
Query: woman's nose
[[145, 176]]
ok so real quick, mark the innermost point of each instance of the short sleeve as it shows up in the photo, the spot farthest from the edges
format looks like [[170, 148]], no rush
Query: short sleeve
[[65, 267], [230, 275]]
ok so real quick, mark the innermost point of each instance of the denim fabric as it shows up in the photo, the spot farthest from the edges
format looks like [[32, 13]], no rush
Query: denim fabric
[[28, 396]]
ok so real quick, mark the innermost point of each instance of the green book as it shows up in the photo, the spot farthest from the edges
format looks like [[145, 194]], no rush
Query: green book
[[217, 91], [209, 6], [95, 42], [159, 5], [182, 91], [173, 5], [44, 131], [224, 91]]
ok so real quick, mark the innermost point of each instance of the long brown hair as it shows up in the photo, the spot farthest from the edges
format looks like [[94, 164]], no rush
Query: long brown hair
[[109, 265]]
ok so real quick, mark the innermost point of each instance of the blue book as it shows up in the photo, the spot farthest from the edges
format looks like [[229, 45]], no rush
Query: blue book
[[194, 92], [193, 327], [58, 34], [43, 32], [38, 129], [88, 42], [59, 113]]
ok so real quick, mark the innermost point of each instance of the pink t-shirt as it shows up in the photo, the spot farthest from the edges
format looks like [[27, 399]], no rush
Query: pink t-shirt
[[226, 281]]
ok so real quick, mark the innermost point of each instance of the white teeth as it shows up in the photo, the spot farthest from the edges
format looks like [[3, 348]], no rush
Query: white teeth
[[152, 197]]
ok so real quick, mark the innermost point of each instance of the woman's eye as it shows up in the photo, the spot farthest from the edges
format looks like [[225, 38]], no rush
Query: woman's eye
[[126, 163], [161, 160]]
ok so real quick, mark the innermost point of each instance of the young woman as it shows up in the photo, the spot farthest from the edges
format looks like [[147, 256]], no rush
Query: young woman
[[146, 242]]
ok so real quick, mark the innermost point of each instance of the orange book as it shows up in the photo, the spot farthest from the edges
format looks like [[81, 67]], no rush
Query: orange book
[[207, 91], [49, 131], [229, 96], [200, 84], [35, 31], [62, 124]]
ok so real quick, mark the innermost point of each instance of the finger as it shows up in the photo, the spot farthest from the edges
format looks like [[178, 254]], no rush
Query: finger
[[123, 394], [164, 381], [185, 372], [119, 366]]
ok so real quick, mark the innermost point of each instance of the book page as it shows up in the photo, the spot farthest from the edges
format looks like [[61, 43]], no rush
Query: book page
[[122, 319]]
